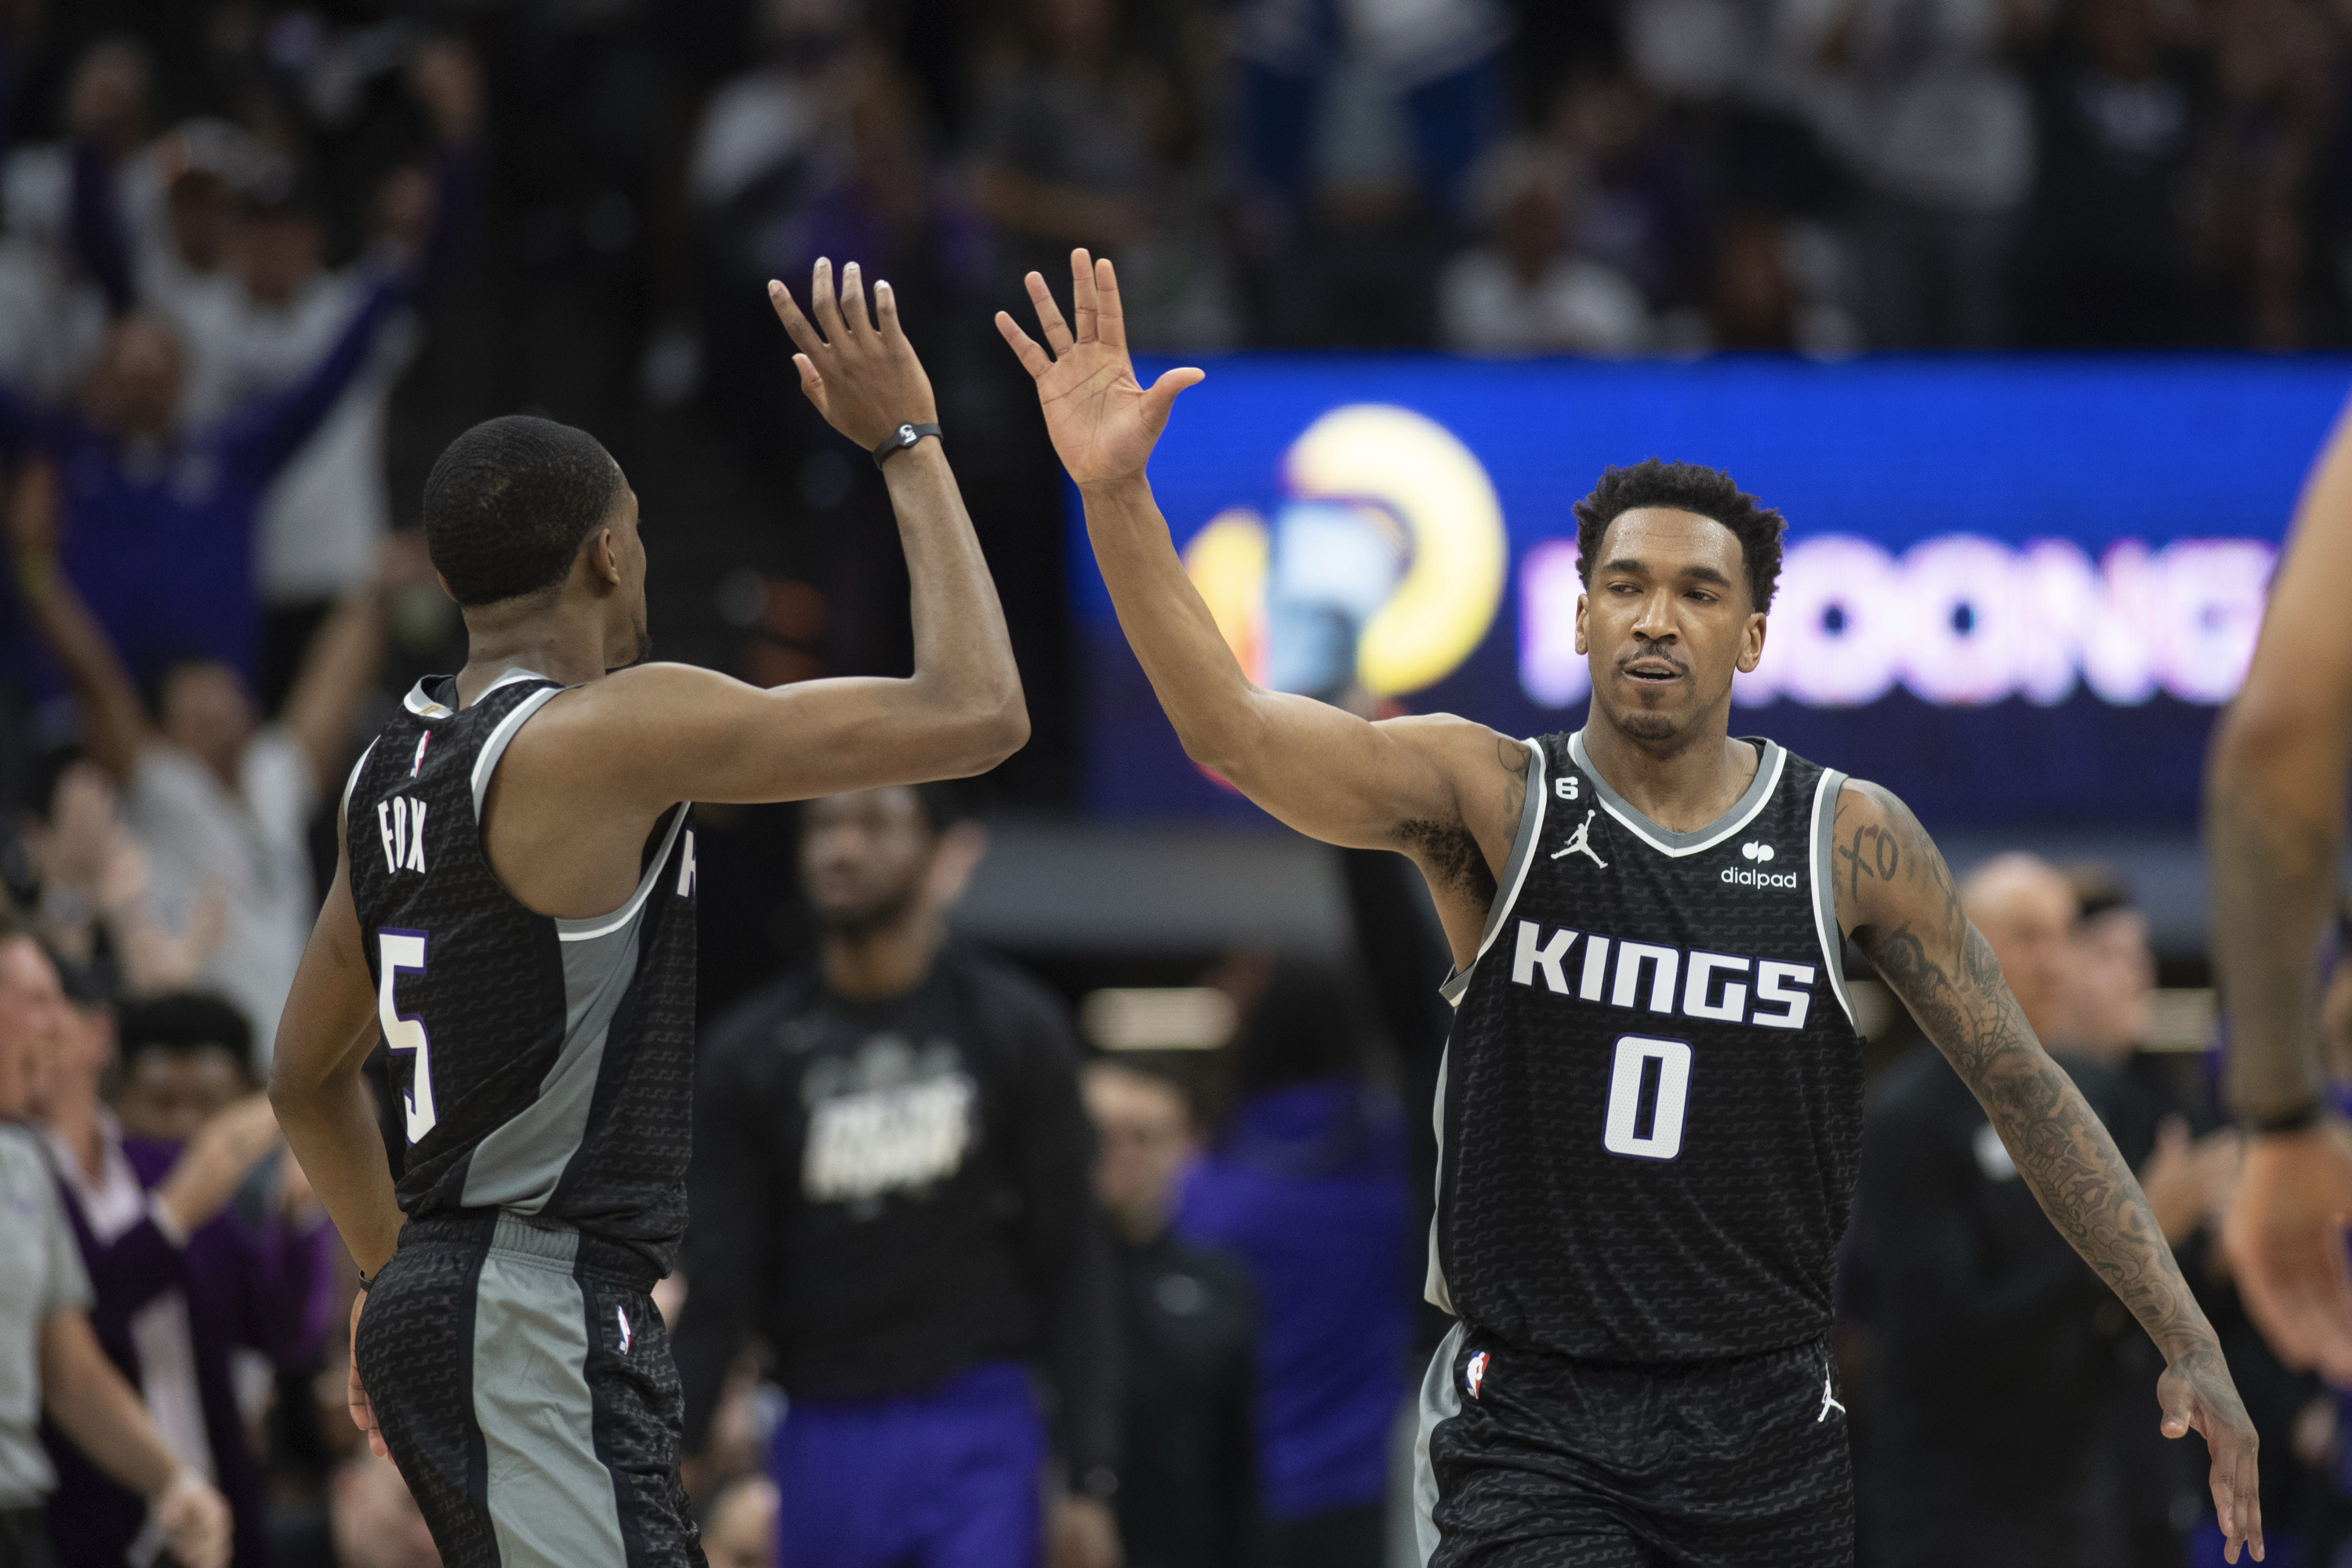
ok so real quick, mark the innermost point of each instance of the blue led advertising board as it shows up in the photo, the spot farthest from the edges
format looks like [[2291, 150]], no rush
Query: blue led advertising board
[[2016, 590]]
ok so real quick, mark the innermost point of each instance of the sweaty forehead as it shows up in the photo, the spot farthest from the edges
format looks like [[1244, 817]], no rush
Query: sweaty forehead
[[1665, 538]]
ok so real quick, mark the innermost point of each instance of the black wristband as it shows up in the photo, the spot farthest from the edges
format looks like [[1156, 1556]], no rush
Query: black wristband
[[898, 440], [363, 1278], [2302, 1119]]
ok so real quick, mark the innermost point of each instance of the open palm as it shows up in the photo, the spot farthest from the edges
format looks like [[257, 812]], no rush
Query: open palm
[[1104, 422]]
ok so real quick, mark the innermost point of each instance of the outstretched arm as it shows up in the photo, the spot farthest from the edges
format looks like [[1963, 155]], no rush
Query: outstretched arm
[[2274, 836], [114, 725], [659, 733], [337, 669], [1442, 790], [1901, 904]]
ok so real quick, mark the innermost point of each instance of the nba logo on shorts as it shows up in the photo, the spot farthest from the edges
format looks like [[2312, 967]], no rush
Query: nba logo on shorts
[[1473, 1377]]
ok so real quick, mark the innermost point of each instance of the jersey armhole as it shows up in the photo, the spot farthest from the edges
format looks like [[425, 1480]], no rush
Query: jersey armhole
[[1514, 868], [486, 762], [1824, 879]]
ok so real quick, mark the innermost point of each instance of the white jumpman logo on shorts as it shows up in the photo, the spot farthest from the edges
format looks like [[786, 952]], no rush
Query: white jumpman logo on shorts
[[1580, 843], [1829, 1401]]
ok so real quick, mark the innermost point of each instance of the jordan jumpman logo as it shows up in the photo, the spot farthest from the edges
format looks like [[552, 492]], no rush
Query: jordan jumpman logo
[[1580, 843]]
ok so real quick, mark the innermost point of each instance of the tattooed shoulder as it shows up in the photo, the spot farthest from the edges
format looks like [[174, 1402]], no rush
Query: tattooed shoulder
[[1876, 847]]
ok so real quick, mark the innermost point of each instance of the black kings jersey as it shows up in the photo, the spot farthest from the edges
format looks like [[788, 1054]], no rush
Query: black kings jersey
[[1650, 1113], [541, 1066]]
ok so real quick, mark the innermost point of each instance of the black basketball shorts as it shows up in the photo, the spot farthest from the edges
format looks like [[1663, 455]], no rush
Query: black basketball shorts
[[1531, 1461], [522, 1379]]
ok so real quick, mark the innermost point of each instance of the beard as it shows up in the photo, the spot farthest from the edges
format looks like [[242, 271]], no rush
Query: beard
[[644, 654], [1641, 726], [854, 922]]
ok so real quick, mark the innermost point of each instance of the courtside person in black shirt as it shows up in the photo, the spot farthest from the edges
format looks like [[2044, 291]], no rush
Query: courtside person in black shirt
[[1650, 1110], [890, 1186]]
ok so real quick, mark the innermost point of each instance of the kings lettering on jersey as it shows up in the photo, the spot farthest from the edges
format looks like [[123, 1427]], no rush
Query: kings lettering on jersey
[[1651, 1107]]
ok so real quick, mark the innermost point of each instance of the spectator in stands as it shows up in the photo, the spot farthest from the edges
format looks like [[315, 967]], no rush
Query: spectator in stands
[[157, 516], [93, 881], [2118, 119], [1639, 207], [1932, 116], [1525, 291], [215, 798], [326, 514], [1997, 1344], [376, 1522], [1188, 1490], [890, 1183], [182, 1279], [50, 1361], [1305, 1183], [2275, 65]]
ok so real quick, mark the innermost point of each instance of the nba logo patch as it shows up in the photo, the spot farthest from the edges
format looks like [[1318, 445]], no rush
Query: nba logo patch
[[1473, 1377]]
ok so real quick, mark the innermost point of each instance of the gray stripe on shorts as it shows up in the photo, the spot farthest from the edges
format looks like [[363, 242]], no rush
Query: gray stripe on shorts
[[551, 1499], [1441, 1400]]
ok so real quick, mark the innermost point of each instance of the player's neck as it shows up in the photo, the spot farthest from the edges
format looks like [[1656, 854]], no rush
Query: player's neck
[[565, 647], [884, 961], [1682, 783]]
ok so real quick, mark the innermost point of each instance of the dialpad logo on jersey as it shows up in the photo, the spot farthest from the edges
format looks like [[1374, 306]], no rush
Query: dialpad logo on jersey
[[888, 1118], [1761, 854], [1473, 1375], [1721, 987]]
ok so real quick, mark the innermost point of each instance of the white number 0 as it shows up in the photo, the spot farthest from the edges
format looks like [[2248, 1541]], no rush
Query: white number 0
[[403, 952], [1664, 1139]]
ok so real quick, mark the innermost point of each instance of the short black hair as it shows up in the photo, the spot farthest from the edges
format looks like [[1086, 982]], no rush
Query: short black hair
[[1685, 486], [508, 502], [181, 1021]]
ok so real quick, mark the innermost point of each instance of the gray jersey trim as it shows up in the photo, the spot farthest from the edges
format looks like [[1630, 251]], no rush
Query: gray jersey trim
[[486, 762], [1666, 840], [1514, 869], [1441, 1400], [352, 783], [551, 1500], [590, 927], [1434, 1288], [1825, 926]]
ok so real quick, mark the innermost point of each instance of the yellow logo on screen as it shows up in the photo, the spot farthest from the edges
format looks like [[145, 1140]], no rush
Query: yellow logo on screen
[[1381, 572]]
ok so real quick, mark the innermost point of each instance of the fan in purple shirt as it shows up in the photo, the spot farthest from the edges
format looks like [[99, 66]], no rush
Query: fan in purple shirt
[[199, 1245]]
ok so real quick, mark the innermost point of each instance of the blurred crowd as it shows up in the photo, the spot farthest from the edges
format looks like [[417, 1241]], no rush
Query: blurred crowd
[[258, 261]]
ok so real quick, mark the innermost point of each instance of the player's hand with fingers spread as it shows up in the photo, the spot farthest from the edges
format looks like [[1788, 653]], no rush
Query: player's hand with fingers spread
[[2196, 1394], [861, 373], [1103, 421], [2284, 1239]]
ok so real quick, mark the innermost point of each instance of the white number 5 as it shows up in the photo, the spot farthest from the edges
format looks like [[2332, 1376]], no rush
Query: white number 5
[[403, 952], [1620, 1133]]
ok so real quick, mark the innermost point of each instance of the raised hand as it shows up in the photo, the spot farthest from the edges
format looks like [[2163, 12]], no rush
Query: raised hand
[[862, 374], [2196, 1394], [1104, 422]]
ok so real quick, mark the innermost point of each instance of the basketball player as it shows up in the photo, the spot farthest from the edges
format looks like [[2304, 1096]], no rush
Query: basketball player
[[1652, 1104], [2274, 833], [512, 913]]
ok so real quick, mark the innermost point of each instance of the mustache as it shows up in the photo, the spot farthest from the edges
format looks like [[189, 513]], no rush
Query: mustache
[[1660, 651]]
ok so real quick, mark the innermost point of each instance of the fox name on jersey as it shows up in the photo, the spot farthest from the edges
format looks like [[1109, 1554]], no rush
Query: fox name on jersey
[[1650, 1110]]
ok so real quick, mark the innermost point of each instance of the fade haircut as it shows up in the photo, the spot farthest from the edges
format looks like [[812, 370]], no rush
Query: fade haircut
[[508, 503], [1683, 487]]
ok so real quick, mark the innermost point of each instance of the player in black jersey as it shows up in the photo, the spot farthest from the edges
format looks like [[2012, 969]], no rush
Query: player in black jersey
[[512, 915], [1651, 1107]]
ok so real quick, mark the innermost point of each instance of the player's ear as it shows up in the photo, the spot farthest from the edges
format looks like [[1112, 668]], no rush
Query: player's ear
[[1580, 647], [604, 558], [1751, 643]]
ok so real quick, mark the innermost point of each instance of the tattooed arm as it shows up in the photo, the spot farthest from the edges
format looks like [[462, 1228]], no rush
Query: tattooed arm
[[1899, 901], [2274, 832]]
